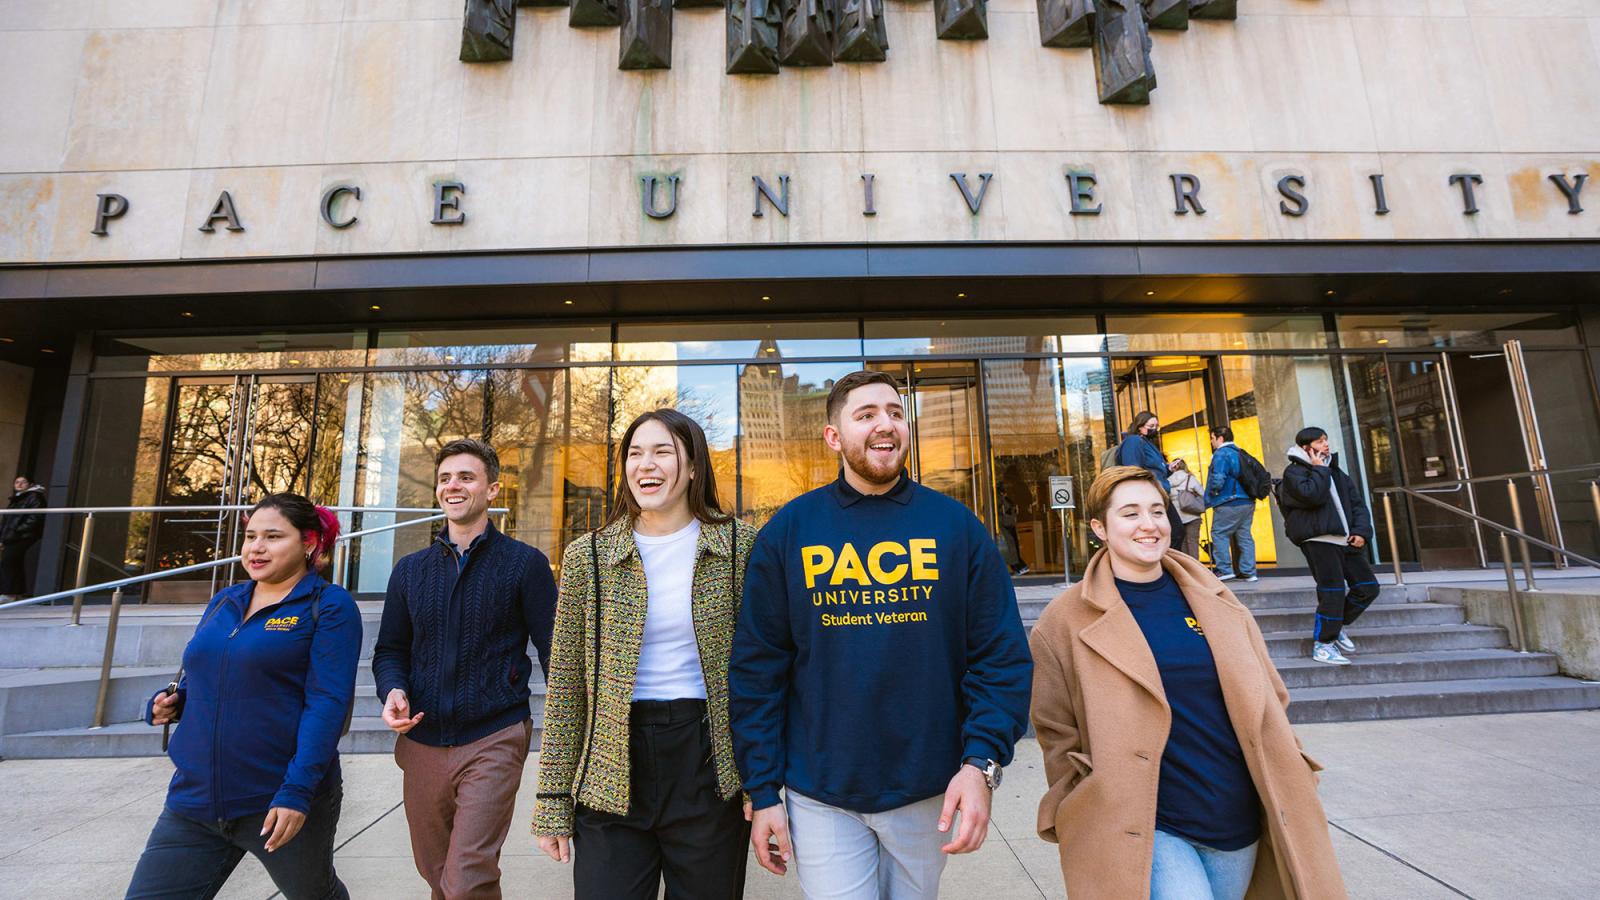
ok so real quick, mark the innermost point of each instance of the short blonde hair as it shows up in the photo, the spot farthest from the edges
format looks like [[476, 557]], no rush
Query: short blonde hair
[[1098, 497]]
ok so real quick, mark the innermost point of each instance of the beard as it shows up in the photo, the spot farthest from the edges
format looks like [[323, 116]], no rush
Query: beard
[[860, 462]]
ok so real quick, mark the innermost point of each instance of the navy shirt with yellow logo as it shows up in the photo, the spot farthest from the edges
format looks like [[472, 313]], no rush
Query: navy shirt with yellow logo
[[1206, 795], [878, 645]]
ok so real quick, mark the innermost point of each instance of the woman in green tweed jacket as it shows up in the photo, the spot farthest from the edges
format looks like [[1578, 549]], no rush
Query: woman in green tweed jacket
[[636, 770]]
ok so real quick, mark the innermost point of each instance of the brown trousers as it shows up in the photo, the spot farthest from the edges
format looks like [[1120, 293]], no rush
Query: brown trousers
[[459, 802]]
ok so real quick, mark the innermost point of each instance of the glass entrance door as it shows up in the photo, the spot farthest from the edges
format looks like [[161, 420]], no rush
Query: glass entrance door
[[1180, 390], [945, 415], [230, 441]]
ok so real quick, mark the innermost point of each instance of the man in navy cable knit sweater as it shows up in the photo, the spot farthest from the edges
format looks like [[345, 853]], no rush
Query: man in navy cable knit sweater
[[452, 668], [880, 674]]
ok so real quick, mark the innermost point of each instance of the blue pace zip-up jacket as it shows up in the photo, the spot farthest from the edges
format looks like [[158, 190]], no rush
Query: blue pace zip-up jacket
[[263, 701]]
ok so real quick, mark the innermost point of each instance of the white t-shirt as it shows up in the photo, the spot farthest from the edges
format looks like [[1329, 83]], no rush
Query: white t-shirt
[[669, 659]]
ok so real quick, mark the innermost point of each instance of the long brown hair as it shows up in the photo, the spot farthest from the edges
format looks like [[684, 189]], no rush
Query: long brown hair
[[690, 441]]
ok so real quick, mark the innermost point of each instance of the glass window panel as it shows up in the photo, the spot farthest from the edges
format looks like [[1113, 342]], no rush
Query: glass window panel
[[406, 418], [1456, 330], [706, 394], [1564, 401], [338, 440], [782, 411], [1214, 331], [550, 431], [483, 346], [1046, 417], [120, 465], [981, 337], [738, 340], [272, 350]]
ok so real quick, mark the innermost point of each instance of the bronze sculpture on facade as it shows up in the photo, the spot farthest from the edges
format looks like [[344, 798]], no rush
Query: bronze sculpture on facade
[[753, 37], [765, 35]]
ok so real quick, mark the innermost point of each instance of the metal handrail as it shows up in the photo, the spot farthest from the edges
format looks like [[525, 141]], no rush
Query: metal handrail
[[86, 537], [91, 510], [117, 585], [1505, 533], [1482, 479]]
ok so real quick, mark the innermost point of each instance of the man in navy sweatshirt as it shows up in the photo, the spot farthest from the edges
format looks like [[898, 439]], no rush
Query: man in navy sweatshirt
[[452, 668], [880, 674]]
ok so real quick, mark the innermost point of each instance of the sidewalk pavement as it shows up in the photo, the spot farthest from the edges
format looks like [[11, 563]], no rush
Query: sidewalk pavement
[[1485, 807]]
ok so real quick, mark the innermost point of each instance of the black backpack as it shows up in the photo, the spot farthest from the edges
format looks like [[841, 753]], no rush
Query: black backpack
[[1253, 476]]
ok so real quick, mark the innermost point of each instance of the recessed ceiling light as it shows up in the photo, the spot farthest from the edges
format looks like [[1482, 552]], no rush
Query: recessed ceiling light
[[1149, 293], [186, 314], [567, 302], [45, 350], [5, 340], [961, 296], [765, 297], [294, 362], [1383, 340], [374, 307], [1504, 291], [1332, 293], [449, 359]]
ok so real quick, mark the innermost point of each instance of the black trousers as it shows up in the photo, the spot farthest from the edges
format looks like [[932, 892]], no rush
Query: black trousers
[[13, 567], [677, 827], [1345, 586]]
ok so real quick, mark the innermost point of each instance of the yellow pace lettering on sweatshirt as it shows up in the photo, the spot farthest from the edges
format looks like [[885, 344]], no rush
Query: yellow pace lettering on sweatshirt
[[886, 563]]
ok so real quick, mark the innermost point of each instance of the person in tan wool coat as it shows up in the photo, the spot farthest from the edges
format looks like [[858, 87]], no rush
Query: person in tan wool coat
[[1173, 771]]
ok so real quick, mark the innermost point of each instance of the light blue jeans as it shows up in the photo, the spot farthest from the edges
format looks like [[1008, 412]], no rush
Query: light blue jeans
[[1184, 871], [844, 855], [1233, 519]]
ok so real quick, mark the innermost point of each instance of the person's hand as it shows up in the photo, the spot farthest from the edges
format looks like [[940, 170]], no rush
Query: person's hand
[[164, 709], [1357, 541], [769, 837], [556, 846], [968, 794], [397, 712], [282, 825], [1319, 457]]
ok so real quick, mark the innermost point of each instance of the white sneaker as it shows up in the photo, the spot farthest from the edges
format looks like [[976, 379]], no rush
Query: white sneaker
[[1228, 577], [1345, 643], [1328, 653], [1252, 579]]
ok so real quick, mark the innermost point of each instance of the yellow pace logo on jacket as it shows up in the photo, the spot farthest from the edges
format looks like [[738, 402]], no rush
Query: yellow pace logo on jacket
[[281, 623], [845, 576]]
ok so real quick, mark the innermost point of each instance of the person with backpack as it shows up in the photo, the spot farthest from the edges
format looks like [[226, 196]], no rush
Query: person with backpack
[[1327, 518], [637, 779], [1139, 447], [1229, 496], [266, 691]]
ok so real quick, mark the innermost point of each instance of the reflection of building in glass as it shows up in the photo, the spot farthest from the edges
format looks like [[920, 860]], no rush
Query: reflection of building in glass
[[780, 435]]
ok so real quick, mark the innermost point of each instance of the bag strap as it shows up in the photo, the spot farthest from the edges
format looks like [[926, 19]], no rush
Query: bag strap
[[594, 563]]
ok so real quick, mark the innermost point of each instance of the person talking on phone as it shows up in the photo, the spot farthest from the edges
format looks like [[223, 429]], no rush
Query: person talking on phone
[[266, 689], [1325, 516]]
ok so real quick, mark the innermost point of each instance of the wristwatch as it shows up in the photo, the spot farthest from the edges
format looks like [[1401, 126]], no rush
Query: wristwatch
[[989, 768]]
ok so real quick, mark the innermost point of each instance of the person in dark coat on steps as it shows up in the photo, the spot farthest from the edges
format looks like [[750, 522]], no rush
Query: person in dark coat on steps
[[18, 534], [1325, 516], [1139, 447]]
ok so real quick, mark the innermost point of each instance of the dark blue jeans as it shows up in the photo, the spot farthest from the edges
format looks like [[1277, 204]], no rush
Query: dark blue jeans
[[187, 858]]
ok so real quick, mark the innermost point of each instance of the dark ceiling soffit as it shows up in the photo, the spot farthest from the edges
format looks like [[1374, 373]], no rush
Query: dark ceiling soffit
[[711, 264]]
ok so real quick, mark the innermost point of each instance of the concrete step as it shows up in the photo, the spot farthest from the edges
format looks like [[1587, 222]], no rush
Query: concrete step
[[1464, 697], [1401, 639], [1439, 665], [44, 699], [1255, 597], [1377, 616], [367, 735]]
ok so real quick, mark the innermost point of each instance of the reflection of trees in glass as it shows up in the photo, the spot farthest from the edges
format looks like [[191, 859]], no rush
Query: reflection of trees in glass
[[280, 448], [782, 413]]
